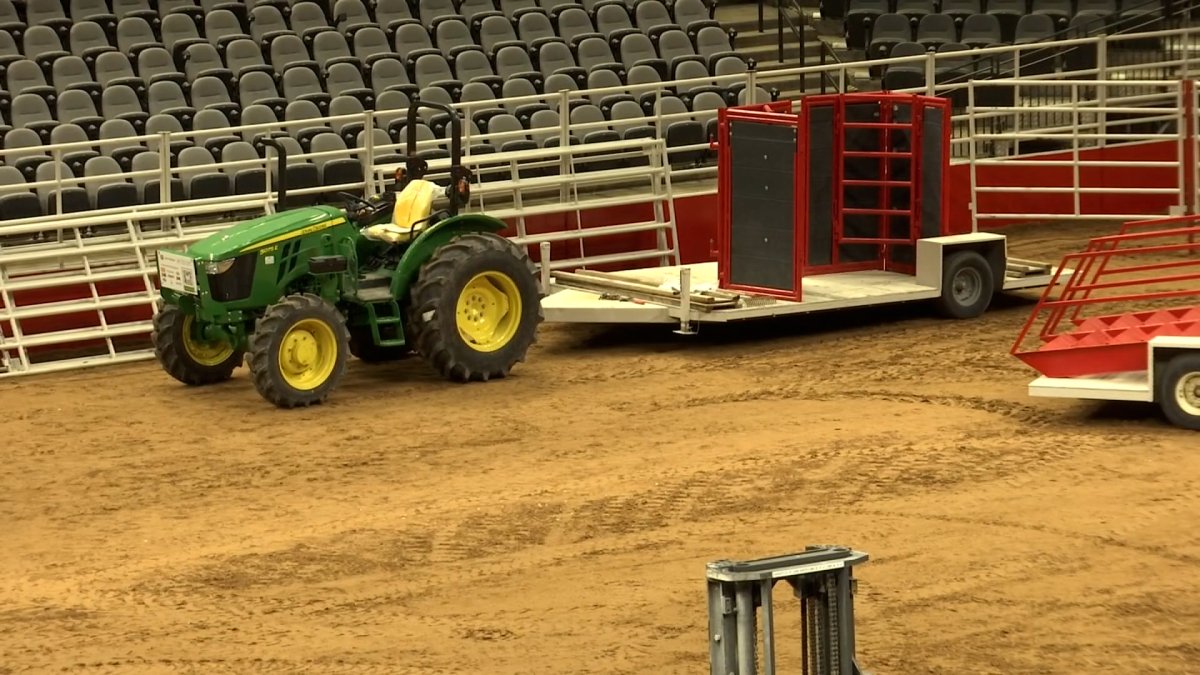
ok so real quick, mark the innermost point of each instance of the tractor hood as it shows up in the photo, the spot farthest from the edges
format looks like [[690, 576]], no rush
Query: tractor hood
[[252, 235]]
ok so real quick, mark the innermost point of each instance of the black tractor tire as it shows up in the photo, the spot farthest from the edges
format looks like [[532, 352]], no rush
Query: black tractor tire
[[967, 285], [434, 304], [1179, 391], [320, 342], [363, 347], [176, 355]]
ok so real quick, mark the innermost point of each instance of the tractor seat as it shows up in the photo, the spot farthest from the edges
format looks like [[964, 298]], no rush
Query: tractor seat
[[414, 204]]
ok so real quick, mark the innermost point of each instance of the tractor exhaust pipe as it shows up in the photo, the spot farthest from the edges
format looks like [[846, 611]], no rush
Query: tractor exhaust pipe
[[270, 141]]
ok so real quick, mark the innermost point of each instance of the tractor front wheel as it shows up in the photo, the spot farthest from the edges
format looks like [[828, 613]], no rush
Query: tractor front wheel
[[1179, 391], [299, 350], [185, 355], [475, 307]]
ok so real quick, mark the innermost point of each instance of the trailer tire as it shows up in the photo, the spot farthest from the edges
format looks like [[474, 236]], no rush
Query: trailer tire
[[1179, 391], [967, 285]]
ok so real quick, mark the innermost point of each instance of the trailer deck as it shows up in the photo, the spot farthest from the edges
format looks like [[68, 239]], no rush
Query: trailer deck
[[655, 294]]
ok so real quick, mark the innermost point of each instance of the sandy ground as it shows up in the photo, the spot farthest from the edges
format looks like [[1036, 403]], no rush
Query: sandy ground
[[559, 521]]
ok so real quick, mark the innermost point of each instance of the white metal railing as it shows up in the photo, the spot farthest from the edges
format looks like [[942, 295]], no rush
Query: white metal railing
[[113, 272], [1089, 114]]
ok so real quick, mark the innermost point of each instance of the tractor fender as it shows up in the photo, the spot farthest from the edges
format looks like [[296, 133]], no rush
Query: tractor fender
[[434, 238]]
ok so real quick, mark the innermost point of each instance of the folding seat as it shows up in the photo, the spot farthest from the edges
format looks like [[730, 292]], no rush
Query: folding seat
[[692, 15], [76, 106], [113, 68], [246, 179], [429, 11], [391, 14], [32, 112], [253, 115], [346, 80], [211, 93], [535, 30], [146, 172], [613, 22], [89, 41], [676, 49], [48, 13], [960, 67], [961, 9], [556, 57], [73, 197], [139, 9], [729, 66], [135, 34], [705, 105], [380, 152], [307, 20], [636, 50], [240, 10], [25, 150], [11, 21], [167, 98], [178, 33], [914, 10], [202, 60], [70, 72], [980, 31], [114, 190], [339, 172], [512, 135], [302, 84], [432, 70], [200, 175], [9, 52], [425, 149], [26, 77], [301, 174], [347, 129], [391, 75], [644, 75], [574, 25], [1008, 13], [156, 65], [258, 88], [515, 9], [1058, 10], [1083, 57], [906, 74], [389, 107], [311, 118], [594, 52], [119, 141], [1105, 10], [889, 31], [267, 25], [680, 132], [694, 70], [936, 29], [495, 33], [713, 44], [1036, 29], [351, 15], [481, 103], [244, 56], [222, 27], [16, 200], [545, 129], [72, 133], [584, 120], [371, 45], [330, 48], [288, 52], [474, 12], [513, 62], [522, 88], [628, 120], [473, 66], [651, 17], [860, 18], [452, 37], [43, 46], [121, 102]]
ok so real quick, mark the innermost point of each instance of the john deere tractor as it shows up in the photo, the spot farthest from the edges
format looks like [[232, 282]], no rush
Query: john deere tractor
[[295, 294]]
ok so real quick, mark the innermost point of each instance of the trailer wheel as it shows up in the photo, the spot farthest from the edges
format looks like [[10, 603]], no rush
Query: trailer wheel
[[1179, 391], [967, 285]]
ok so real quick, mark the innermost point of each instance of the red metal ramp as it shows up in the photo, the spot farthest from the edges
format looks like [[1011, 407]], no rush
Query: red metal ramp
[[1127, 288]]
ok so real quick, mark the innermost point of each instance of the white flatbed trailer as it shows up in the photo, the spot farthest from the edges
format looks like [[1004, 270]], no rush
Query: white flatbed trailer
[[689, 294], [1172, 380]]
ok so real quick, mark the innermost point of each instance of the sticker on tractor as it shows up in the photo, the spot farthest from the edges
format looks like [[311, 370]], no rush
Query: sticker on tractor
[[177, 272]]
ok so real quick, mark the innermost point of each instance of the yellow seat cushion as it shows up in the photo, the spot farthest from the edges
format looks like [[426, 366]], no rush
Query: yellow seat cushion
[[413, 204]]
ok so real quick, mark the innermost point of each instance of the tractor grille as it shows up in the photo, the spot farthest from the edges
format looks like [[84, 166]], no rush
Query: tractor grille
[[236, 282]]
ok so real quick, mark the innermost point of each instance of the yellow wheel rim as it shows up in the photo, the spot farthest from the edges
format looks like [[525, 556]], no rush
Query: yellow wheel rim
[[308, 354], [489, 311], [204, 353]]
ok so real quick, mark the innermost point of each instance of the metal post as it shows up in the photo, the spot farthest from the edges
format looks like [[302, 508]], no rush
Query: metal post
[[1075, 144], [685, 302], [930, 73], [971, 154], [544, 263], [1182, 129], [1102, 89]]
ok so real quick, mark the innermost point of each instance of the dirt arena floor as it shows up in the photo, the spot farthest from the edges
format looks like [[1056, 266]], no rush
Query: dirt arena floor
[[559, 521]]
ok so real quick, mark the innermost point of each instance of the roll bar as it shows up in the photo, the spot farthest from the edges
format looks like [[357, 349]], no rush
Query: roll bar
[[268, 140], [416, 167]]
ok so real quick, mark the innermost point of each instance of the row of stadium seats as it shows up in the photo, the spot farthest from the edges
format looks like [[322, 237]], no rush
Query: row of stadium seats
[[863, 15], [975, 31]]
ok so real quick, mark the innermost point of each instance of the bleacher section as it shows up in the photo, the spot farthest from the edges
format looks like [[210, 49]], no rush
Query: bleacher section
[[91, 70]]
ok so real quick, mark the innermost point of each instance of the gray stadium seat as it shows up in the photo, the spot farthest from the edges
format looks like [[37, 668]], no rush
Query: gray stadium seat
[[343, 79], [26, 77], [676, 48], [48, 13], [161, 123], [121, 102], [253, 115], [256, 87], [545, 129], [914, 10], [391, 14], [644, 75], [628, 120], [113, 68], [517, 88], [97, 11], [202, 60], [178, 33], [24, 150], [267, 25], [1036, 29], [452, 36], [43, 45], [612, 21], [88, 41], [302, 84], [981, 30], [556, 57], [288, 52], [115, 191], [351, 15], [680, 131], [221, 27], [860, 19], [248, 179], [713, 44], [330, 48], [11, 21], [136, 8], [156, 65], [243, 56], [905, 75], [472, 66], [380, 141], [594, 53], [334, 169], [308, 19], [348, 129], [211, 129], [73, 197], [16, 200], [429, 11], [431, 70], [935, 30], [135, 34], [636, 49], [705, 105], [1058, 10], [120, 142], [515, 138], [390, 75], [889, 31], [535, 30], [167, 98], [652, 18], [1008, 13], [574, 24], [301, 174], [32, 112], [496, 32], [309, 121], [482, 100], [77, 157], [200, 175], [371, 45], [961, 9], [149, 184]]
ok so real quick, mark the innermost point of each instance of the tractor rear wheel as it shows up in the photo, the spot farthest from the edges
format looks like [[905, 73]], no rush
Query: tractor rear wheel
[[185, 356], [299, 350], [967, 285], [1179, 391], [475, 307]]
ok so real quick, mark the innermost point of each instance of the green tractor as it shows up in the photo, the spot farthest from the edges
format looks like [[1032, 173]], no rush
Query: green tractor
[[295, 294]]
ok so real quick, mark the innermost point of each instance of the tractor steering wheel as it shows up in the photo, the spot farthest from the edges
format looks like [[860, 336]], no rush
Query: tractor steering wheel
[[355, 198]]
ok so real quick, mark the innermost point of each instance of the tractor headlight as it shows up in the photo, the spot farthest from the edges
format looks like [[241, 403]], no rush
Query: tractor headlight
[[219, 267]]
